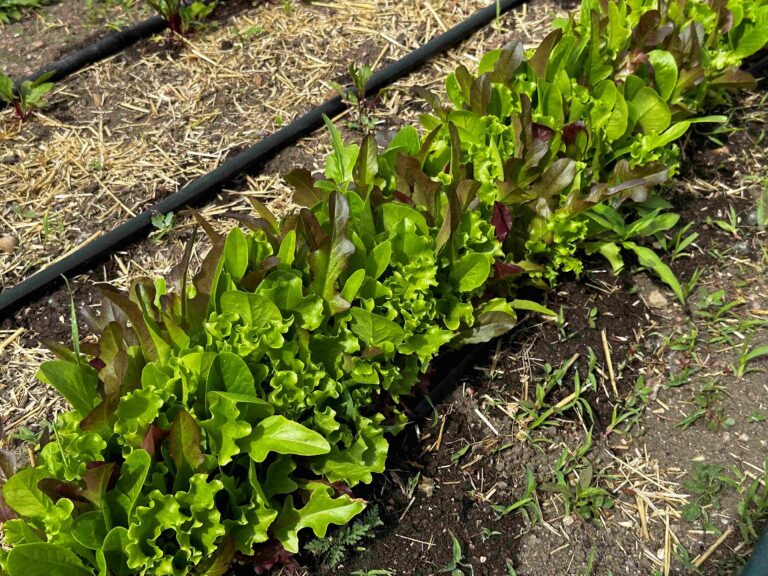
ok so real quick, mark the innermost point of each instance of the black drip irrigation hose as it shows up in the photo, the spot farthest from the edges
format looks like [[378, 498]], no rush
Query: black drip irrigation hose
[[97, 51], [209, 184]]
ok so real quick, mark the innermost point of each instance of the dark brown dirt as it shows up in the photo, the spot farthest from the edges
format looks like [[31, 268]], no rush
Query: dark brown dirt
[[55, 30]]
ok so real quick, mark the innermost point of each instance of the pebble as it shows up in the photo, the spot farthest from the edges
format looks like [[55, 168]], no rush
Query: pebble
[[656, 299], [427, 486], [7, 244]]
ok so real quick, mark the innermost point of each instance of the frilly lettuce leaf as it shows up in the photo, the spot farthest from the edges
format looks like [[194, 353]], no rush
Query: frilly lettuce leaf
[[320, 511]]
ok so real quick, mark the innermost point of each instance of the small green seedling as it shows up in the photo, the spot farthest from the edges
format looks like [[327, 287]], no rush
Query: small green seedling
[[706, 485], [747, 354], [360, 76], [334, 548], [731, 225], [28, 97], [454, 567], [163, 223], [677, 244], [528, 504], [182, 17]]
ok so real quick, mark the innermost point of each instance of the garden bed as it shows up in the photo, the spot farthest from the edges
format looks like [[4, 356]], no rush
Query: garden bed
[[692, 437]]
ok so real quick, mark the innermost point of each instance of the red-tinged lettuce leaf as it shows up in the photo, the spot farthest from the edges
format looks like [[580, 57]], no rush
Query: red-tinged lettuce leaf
[[541, 132], [6, 512], [8, 465], [503, 269], [414, 184], [311, 230], [508, 63], [331, 257], [501, 220], [136, 317], [220, 562], [180, 272], [209, 230], [112, 352], [400, 197], [557, 178], [98, 478], [7, 470], [480, 95], [305, 190], [153, 439], [184, 448], [734, 79], [540, 58], [265, 557]]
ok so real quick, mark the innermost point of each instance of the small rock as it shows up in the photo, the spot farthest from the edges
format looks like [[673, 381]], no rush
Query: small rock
[[567, 520], [742, 248], [656, 299], [426, 486], [7, 244], [752, 218]]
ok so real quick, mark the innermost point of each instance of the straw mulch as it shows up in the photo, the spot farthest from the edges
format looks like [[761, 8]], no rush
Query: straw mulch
[[129, 131]]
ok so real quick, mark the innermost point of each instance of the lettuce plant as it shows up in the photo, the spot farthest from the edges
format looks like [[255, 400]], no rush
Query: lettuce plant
[[29, 96], [182, 16], [220, 417], [590, 117]]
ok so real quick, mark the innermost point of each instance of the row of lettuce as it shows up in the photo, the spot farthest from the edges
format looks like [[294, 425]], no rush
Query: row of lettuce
[[220, 415]]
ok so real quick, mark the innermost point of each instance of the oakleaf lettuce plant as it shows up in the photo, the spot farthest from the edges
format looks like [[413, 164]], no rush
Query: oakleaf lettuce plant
[[221, 416]]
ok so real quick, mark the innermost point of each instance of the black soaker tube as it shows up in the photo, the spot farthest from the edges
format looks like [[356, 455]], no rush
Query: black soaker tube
[[99, 50], [208, 185]]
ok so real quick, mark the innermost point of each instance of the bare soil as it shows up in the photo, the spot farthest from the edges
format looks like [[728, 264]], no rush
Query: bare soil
[[55, 30]]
